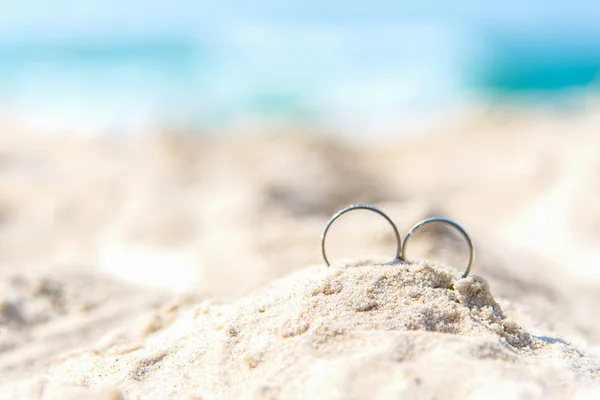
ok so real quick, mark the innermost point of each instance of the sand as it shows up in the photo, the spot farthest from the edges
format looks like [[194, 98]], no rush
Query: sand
[[359, 331], [162, 251]]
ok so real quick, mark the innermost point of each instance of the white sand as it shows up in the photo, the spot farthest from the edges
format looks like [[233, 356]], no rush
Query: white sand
[[108, 247], [368, 331]]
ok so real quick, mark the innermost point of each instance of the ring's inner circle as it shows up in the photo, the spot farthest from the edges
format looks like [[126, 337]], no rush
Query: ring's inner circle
[[440, 239], [365, 234]]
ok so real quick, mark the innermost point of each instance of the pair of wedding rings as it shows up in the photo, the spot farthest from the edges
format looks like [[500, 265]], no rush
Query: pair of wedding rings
[[401, 243]]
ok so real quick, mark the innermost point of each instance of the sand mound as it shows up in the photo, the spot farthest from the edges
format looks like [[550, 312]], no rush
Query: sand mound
[[42, 316], [363, 331]]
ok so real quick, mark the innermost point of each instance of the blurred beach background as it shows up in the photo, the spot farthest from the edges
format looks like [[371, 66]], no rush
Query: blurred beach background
[[122, 68], [198, 148]]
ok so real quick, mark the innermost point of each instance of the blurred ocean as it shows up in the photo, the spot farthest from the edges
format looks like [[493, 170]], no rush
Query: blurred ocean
[[344, 78]]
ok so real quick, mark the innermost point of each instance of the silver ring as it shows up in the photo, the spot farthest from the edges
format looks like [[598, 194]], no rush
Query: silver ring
[[453, 224], [360, 207]]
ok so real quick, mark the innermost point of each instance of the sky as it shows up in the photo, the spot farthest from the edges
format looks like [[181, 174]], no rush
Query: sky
[[34, 19]]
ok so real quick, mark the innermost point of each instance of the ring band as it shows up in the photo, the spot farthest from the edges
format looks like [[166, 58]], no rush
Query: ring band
[[360, 207], [453, 224]]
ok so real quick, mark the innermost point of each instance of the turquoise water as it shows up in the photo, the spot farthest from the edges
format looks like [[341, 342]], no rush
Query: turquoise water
[[330, 77], [544, 63], [101, 82]]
